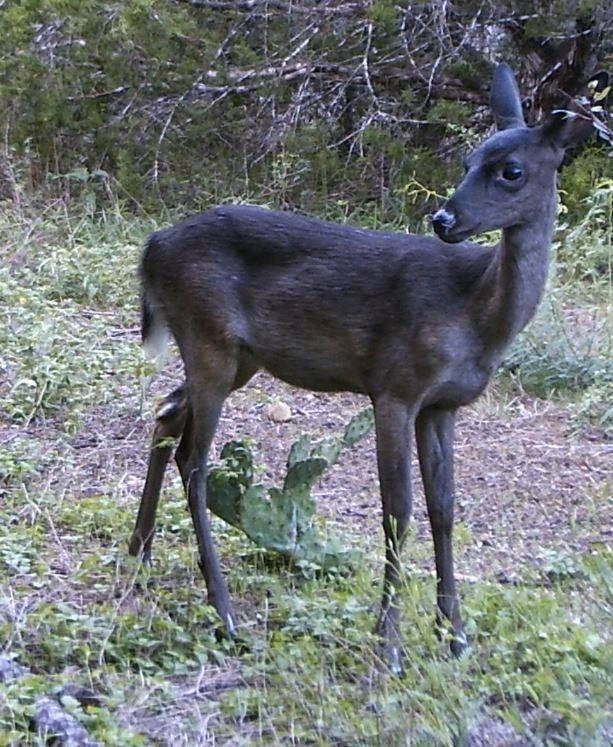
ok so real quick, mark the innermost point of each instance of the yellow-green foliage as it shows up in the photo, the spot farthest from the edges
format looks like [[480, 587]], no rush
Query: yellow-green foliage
[[584, 251], [589, 170]]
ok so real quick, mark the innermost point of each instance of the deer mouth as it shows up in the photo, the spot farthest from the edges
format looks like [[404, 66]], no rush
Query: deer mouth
[[453, 235]]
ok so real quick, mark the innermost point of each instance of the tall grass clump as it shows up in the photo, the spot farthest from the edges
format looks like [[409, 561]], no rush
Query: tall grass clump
[[567, 350], [584, 253], [67, 311]]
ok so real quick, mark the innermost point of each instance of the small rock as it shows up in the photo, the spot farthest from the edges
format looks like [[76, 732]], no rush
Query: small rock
[[492, 731], [279, 412], [83, 695], [62, 728], [10, 669]]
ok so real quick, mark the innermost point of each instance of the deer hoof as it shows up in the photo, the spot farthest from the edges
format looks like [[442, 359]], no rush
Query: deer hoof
[[138, 547], [446, 631], [459, 644], [135, 546], [395, 660], [392, 654], [391, 659], [230, 626], [228, 629]]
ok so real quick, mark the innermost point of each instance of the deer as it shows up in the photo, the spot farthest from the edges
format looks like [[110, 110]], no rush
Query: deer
[[417, 323]]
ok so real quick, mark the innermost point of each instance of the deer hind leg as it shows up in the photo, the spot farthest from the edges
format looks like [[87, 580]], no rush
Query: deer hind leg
[[394, 424], [246, 370], [211, 377], [172, 415], [174, 422], [434, 431]]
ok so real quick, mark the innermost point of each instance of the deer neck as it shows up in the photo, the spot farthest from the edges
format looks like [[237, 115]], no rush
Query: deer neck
[[515, 280]]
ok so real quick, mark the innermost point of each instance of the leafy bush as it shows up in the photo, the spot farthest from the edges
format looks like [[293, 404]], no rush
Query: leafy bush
[[181, 103], [566, 352], [584, 252], [548, 357], [580, 178]]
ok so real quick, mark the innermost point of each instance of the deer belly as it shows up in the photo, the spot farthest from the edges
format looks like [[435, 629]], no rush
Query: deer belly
[[319, 360], [314, 379], [321, 373]]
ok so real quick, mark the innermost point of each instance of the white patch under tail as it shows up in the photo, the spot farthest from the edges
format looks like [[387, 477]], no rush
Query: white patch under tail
[[157, 342], [156, 337]]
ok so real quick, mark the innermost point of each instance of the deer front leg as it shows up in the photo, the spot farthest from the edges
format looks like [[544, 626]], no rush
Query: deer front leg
[[394, 424], [434, 432], [171, 416]]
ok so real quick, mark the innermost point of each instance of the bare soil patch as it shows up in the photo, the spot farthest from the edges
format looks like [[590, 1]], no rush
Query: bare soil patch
[[527, 484]]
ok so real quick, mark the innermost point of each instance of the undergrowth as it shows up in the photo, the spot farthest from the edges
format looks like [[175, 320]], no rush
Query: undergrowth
[[74, 608], [67, 314], [306, 668], [567, 350]]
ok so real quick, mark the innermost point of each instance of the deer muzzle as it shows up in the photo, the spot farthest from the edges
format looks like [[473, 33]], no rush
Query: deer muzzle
[[443, 222], [450, 228]]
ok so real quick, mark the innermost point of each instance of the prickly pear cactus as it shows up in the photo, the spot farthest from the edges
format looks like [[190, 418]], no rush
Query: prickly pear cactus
[[305, 474], [329, 449], [228, 482], [358, 427], [299, 450], [283, 519]]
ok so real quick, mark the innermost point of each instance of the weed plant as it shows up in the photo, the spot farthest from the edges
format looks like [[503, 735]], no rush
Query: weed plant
[[67, 313], [306, 669]]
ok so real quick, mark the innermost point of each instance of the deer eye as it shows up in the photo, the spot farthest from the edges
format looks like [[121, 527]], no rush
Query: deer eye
[[512, 172]]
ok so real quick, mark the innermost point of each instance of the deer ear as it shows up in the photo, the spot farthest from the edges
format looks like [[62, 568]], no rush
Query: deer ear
[[572, 125], [505, 99], [567, 128]]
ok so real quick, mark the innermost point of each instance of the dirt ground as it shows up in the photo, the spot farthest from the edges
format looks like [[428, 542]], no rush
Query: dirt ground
[[530, 486], [528, 483]]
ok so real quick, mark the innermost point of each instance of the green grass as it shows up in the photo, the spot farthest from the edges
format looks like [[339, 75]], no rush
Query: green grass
[[567, 350], [66, 311], [75, 609], [567, 353]]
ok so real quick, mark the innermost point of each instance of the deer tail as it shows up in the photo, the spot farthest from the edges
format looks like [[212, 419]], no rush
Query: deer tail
[[155, 334]]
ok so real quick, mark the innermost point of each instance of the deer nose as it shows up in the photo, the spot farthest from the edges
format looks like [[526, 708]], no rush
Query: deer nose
[[443, 220]]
